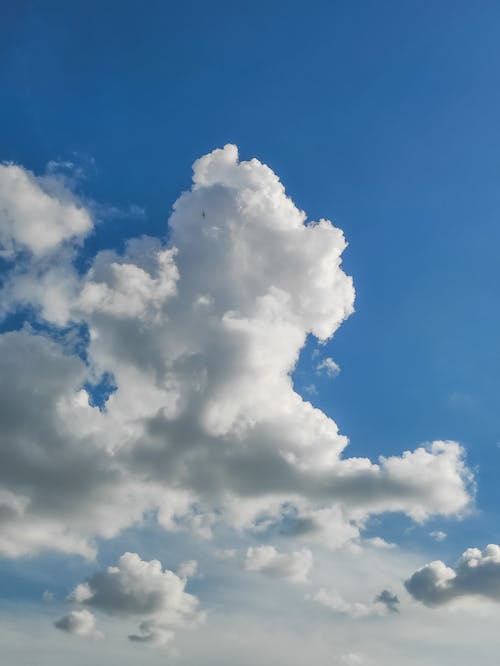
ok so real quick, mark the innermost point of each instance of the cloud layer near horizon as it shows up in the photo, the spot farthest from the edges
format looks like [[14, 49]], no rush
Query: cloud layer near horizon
[[199, 336]]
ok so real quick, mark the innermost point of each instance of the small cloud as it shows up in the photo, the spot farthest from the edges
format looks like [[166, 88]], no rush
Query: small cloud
[[329, 367], [78, 623], [108, 212], [56, 166], [378, 542], [139, 588], [438, 535], [384, 603], [389, 599], [187, 569]]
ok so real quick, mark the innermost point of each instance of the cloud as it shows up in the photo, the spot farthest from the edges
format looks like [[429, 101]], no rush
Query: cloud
[[79, 623], [199, 336], [43, 223], [59, 483], [226, 553], [378, 542], [329, 367], [477, 573], [140, 588], [118, 287], [389, 599], [438, 535], [384, 603], [187, 569], [37, 214], [294, 567]]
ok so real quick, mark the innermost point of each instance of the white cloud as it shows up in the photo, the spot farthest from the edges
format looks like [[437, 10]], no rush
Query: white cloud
[[329, 367], [378, 542], [79, 622], [384, 603], [477, 573], [294, 566], [388, 599], [37, 214], [200, 338], [438, 535], [143, 589], [187, 569]]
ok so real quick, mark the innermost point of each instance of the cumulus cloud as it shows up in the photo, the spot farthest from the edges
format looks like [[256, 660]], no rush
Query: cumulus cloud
[[389, 599], [37, 214], [477, 573], [42, 225], [78, 622], [378, 542], [294, 566], [384, 603], [118, 287], [143, 589], [200, 336]]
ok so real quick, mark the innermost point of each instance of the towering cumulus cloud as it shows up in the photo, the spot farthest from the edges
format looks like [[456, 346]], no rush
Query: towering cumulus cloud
[[199, 336]]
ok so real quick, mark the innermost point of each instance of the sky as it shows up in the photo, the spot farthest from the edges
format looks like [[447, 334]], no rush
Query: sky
[[249, 333]]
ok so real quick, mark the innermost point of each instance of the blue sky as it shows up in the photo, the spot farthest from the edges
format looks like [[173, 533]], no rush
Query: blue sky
[[382, 117]]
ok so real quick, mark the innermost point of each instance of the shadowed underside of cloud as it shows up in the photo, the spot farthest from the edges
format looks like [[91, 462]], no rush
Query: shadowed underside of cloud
[[200, 337], [477, 573]]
